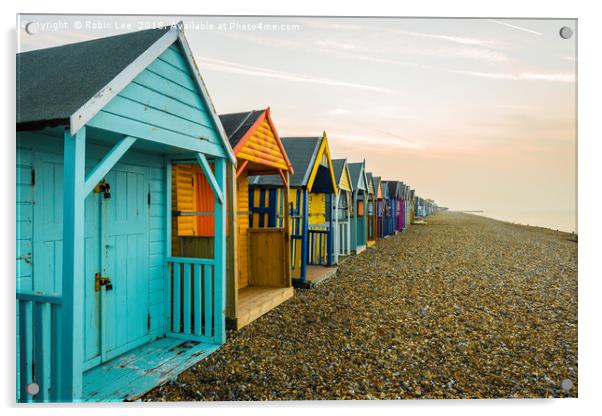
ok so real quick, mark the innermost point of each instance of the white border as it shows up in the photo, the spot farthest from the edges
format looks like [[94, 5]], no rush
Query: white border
[[590, 200]]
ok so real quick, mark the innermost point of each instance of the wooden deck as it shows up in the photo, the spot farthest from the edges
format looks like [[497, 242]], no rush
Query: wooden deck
[[132, 374], [254, 301], [317, 274]]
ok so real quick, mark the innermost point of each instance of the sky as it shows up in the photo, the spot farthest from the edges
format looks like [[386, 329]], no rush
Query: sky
[[478, 114]]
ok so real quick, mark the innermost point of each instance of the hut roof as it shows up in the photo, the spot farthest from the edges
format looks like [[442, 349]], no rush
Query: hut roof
[[53, 83], [370, 184], [70, 84], [392, 188], [339, 166], [301, 152], [237, 124], [356, 171], [376, 182]]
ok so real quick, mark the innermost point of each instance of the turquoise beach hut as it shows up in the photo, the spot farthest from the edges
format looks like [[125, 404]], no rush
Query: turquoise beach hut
[[104, 311], [359, 221]]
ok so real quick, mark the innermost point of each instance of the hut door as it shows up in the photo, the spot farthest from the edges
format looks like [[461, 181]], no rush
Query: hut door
[[48, 244], [123, 290]]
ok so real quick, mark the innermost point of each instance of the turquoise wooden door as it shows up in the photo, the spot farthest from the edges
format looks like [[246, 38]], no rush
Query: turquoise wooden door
[[48, 243], [124, 247], [116, 246]]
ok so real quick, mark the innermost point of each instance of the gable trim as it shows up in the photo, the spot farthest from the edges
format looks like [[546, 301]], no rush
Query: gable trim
[[322, 150], [265, 116], [346, 174], [99, 100], [93, 106]]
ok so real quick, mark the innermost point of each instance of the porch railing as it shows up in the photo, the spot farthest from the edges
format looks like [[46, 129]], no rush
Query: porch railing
[[343, 230], [38, 348], [194, 304], [319, 236]]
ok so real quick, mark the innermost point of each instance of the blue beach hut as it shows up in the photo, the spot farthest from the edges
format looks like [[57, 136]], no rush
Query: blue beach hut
[[104, 311]]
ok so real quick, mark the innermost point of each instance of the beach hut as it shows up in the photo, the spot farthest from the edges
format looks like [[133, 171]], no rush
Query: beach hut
[[311, 222], [412, 206], [403, 206], [400, 207], [371, 236], [343, 207], [105, 312], [380, 209], [258, 267], [420, 209], [394, 193], [359, 223], [388, 226], [408, 204]]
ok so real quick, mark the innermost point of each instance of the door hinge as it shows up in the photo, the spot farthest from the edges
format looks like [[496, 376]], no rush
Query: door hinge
[[148, 322], [148, 198], [33, 177]]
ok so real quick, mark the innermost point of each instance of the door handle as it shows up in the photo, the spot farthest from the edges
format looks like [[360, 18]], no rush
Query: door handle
[[102, 281]]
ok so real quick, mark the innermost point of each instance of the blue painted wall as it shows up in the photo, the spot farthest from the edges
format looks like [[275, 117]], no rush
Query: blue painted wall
[[42, 147], [162, 101]]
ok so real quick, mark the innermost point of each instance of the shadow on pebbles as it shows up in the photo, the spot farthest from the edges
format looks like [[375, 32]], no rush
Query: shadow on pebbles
[[463, 307]]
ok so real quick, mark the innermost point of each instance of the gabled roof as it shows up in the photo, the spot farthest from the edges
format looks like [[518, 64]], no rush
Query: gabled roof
[[53, 83], [70, 84], [240, 127], [237, 124], [356, 171], [340, 166], [302, 153], [376, 182], [370, 184], [392, 187]]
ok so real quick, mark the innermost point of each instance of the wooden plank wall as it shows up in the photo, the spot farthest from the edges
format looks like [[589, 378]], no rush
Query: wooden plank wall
[[162, 102], [267, 263], [262, 148], [242, 219]]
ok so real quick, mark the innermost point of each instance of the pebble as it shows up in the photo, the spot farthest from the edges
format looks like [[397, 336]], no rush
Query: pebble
[[464, 307]]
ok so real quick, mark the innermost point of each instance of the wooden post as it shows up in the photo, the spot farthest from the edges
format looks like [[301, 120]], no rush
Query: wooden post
[[72, 309], [330, 236], [305, 234], [336, 231], [168, 247], [354, 225], [349, 202], [220, 253], [287, 234], [232, 242]]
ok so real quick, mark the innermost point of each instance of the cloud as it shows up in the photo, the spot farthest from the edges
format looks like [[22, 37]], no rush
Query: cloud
[[447, 38], [337, 45], [515, 27], [338, 112], [219, 65], [521, 76]]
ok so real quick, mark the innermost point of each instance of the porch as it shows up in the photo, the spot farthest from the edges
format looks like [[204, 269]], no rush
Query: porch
[[131, 375], [255, 301], [315, 275]]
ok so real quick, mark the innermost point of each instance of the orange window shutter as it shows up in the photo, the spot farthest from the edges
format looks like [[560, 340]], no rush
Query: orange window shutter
[[360, 208], [205, 204]]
